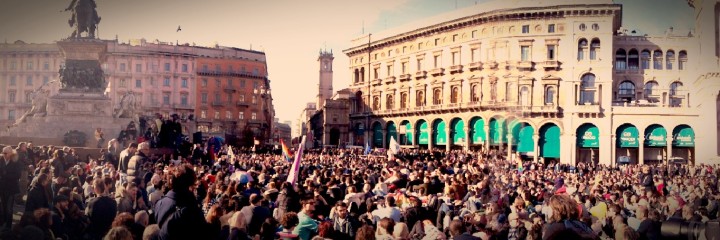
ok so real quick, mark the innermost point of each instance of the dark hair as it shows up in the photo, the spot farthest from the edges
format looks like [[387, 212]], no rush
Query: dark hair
[[457, 228], [182, 178], [289, 220]]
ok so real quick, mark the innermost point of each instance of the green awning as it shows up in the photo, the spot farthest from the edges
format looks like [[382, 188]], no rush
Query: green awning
[[525, 139], [423, 137], [514, 127], [498, 131], [550, 141], [627, 137], [683, 136], [391, 132], [458, 132], [655, 136], [409, 133], [439, 133], [377, 135], [588, 136], [478, 131]]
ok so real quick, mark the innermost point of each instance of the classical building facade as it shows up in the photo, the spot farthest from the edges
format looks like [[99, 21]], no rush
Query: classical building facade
[[560, 81], [281, 131], [330, 125], [233, 97]]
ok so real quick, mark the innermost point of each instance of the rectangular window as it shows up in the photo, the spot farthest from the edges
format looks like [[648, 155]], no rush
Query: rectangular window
[[217, 97], [138, 68], [203, 114], [29, 81], [13, 65], [254, 116], [551, 52], [29, 65], [204, 98], [184, 67], [204, 82], [375, 73], [525, 53], [217, 115], [205, 68], [229, 82], [526, 29], [455, 38], [551, 28], [241, 115], [122, 67], [46, 79], [166, 98], [28, 97], [241, 98], [473, 34], [11, 114], [152, 82], [389, 70], [254, 99], [166, 82], [11, 96], [123, 83], [474, 55], [256, 72], [228, 114], [419, 64], [255, 85], [138, 83], [456, 58], [167, 67], [184, 99], [404, 67], [242, 83], [46, 66], [437, 41], [436, 61], [184, 83]]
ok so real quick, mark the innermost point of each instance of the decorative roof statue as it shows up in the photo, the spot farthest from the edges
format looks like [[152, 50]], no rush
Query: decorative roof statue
[[84, 18]]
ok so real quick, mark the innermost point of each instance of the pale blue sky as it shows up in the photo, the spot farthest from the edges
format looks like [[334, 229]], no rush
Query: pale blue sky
[[291, 32]]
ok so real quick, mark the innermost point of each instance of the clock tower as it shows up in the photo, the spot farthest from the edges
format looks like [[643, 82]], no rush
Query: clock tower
[[325, 89]]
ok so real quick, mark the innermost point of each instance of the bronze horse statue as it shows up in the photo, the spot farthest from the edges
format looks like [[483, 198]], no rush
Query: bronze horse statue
[[84, 18]]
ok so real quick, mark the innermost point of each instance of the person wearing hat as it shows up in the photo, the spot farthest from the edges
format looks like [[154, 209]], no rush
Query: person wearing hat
[[10, 170]]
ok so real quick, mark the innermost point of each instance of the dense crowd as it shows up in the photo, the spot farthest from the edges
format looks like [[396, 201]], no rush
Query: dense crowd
[[133, 193]]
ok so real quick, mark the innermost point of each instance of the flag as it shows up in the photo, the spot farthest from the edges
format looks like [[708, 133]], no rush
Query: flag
[[285, 151], [367, 148], [394, 147], [295, 170], [520, 165]]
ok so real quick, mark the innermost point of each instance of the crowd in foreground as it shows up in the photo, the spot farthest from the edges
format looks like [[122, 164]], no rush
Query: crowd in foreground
[[131, 193]]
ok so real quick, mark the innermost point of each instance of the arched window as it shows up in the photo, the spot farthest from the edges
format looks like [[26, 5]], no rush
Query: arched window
[[594, 46], [587, 89], [390, 102], [524, 96], [376, 103], [626, 90], [633, 59], [403, 100], [356, 79], [645, 59], [475, 93], [358, 102], [657, 60], [550, 95], [652, 91], [420, 99], [437, 96], [620, 59], [669, 59], [676, 94], [454, 94], [582, 45], [682, 60], [362, 74]]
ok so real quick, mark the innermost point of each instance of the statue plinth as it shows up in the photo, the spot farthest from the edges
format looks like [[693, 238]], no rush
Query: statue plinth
[[83, 49], [79, 104]]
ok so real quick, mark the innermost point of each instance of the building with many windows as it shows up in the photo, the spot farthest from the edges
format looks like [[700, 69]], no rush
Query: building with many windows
[[234, 98], [558, 80]]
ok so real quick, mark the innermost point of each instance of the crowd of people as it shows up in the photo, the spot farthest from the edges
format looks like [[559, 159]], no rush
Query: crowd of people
[[135, 193]]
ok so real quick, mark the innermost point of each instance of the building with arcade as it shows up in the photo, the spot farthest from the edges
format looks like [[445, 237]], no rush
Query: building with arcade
[[549, 81]]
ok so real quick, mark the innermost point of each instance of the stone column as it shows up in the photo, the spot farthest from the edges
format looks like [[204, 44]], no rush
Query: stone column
[[486, 128], [351, 135], [641, 150], [509, 146], [669, 148], [430, 136], [613, 150], [536, 147], [447, 136], [383, 134], [467, 138]]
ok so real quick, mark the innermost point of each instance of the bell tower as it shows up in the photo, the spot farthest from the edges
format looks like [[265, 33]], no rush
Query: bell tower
[[325, 88]]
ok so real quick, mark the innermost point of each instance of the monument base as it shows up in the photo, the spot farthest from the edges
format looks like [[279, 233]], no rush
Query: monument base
[[68, 111]]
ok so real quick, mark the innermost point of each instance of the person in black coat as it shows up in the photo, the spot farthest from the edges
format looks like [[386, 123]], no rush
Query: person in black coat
[[38, 196], [10, 170], [101, 211], [178, 213]]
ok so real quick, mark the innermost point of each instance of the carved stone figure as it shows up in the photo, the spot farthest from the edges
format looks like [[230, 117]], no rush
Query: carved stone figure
[[84, 18], [126, 107]]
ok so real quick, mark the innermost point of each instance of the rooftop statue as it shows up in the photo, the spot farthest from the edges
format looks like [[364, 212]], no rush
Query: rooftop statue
[[84, 18]]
